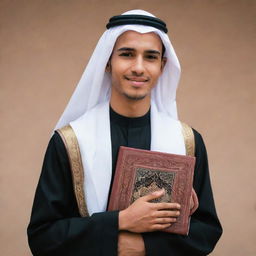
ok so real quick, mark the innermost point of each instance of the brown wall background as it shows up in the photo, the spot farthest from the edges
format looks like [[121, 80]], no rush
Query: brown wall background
[[44, 47]]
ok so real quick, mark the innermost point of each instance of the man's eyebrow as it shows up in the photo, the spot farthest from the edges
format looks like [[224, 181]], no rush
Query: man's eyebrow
[[125, 49], [153, 52], [132, 49]]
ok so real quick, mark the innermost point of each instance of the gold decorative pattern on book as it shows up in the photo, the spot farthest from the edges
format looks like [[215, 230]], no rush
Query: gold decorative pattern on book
[[150, 180]]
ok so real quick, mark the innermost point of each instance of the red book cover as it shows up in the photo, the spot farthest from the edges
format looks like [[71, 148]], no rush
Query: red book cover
[[140, 172]]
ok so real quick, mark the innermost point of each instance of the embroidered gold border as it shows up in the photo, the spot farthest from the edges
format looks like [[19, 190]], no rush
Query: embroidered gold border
[[69, 138], [189, 139]]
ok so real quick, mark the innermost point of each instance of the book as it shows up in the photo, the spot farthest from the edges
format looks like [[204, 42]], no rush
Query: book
[[140, 172]]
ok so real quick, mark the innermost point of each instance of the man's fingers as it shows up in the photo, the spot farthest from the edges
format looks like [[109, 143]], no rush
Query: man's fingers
[[165, 206], [153, 195], [193, 202], [160, 226], [160, 206], [164, 220], [162, 214]]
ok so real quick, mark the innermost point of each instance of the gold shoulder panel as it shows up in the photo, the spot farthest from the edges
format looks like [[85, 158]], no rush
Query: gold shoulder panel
[[189, 139], [69, 138]]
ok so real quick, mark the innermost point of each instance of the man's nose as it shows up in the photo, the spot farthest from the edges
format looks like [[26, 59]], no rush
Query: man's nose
[[138, 66]]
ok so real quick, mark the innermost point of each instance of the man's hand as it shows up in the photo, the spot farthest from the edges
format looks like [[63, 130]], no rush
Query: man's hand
[[144, 216], [130, 244], [193, 202]]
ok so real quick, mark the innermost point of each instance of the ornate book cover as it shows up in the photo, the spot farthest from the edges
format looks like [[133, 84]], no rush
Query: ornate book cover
[[139, 172]]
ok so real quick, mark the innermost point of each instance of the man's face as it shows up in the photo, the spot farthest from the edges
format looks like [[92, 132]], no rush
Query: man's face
[[135, 65]]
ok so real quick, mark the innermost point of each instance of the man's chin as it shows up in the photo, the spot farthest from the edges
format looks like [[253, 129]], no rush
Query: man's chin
[[135, 97]]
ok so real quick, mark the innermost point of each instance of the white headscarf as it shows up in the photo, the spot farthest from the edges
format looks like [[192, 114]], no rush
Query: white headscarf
[[94, 86], [88, 113]]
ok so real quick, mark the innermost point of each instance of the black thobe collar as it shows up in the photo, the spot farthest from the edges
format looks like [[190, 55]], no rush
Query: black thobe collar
[[131, 122]]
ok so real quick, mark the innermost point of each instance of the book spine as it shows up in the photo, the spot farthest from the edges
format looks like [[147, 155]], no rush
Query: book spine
[[112, 206]]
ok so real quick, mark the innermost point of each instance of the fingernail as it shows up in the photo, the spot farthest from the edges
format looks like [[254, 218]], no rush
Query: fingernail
[[158, 192]]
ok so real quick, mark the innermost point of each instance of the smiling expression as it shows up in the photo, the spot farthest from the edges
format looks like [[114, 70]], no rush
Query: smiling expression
[[135, 65]]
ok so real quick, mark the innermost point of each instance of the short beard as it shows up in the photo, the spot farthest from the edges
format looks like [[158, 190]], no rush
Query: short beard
[[135, 98]]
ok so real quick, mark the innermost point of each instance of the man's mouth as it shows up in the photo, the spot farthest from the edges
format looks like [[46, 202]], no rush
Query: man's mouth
[[137, 81]]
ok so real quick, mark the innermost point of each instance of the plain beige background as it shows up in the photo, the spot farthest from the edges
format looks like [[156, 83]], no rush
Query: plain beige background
[[44, 48]]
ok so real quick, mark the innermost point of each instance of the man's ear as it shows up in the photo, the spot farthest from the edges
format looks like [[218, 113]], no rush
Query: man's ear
[[108, 67], [163, 62]]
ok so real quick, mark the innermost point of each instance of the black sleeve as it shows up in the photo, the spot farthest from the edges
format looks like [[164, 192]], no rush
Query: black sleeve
[[56, 227], [205, 228]]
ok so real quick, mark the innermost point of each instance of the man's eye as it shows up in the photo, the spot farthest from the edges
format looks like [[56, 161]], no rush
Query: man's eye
[[126, 54], [151, 57]]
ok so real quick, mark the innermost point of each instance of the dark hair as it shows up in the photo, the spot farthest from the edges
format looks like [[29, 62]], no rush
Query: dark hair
[[163, 50]]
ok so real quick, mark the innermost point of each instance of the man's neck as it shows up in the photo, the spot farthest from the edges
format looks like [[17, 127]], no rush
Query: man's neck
[[131, 108]]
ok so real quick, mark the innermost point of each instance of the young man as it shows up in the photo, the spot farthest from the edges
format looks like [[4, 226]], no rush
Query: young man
[[126, 96]]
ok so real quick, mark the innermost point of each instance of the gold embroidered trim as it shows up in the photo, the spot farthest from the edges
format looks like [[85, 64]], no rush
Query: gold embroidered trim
[[69, 138], [189, 139]]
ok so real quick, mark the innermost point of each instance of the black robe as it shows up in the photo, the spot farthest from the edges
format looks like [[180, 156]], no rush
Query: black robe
[[56, 227]]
